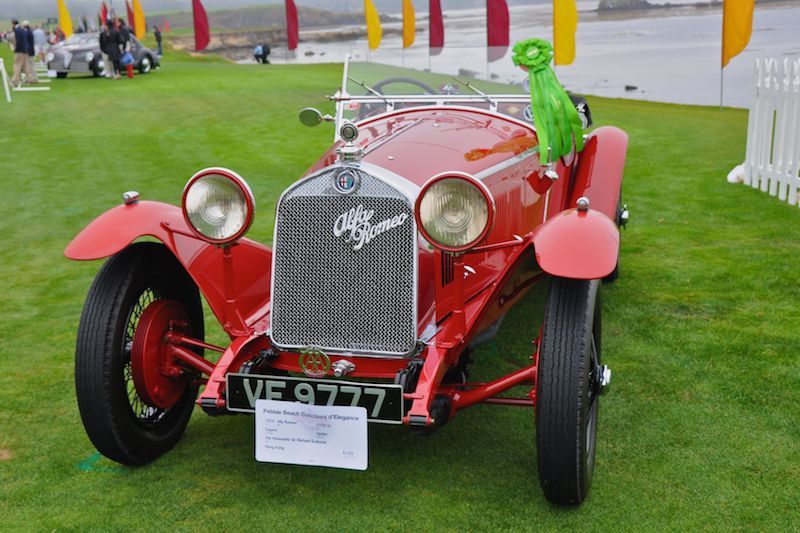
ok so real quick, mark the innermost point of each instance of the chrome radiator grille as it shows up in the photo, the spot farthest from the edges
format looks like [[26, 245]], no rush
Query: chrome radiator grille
[[328, 291]]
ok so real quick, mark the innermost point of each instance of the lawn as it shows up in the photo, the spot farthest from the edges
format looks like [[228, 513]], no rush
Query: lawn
[[700, 430]]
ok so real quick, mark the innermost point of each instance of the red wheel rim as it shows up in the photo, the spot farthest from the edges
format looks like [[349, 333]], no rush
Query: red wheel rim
[[158, 380]]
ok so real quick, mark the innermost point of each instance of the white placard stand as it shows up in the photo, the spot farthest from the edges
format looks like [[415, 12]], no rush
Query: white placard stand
[[313, 435], [6, 83]]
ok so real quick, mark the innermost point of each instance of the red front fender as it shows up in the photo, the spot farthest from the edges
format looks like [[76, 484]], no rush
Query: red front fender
[[600, 168], [237, 294], [577, 244]]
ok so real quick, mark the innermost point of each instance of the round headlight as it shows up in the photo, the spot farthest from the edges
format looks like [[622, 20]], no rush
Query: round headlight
[[218, 205], [50, 56], [454, 211], [89, 56]]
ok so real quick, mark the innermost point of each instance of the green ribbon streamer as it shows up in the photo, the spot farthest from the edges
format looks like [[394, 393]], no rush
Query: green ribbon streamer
[[558, 125]]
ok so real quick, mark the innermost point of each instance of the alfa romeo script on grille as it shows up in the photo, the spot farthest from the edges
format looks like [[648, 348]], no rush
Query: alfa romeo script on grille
[[356, 227]]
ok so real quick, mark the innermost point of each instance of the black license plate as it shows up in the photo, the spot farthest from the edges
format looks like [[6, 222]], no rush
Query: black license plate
[[384, 403]]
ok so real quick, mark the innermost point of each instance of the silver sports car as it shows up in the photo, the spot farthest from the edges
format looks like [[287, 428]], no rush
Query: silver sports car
[[80, 54]]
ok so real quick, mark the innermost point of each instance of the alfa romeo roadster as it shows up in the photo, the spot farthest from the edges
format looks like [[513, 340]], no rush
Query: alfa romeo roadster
[[434, 212]]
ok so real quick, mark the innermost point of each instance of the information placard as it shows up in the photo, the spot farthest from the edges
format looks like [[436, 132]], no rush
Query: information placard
[[316, 435]]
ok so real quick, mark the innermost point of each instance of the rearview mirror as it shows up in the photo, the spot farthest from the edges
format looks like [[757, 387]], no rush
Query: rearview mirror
[[311, 117]]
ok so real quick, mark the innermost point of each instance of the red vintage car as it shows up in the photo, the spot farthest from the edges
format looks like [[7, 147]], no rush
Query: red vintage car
[[403, 245]]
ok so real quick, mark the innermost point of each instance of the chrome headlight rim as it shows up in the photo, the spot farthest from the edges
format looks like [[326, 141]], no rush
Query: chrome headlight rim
[[89, 57], [247, 194], [50, 56], [479, 186]]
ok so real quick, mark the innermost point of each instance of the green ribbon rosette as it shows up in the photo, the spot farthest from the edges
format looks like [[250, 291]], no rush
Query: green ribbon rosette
[[557, 122]]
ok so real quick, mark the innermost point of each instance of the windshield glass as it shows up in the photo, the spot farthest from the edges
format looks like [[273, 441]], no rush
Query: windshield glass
[[370, 88], [77, 39]]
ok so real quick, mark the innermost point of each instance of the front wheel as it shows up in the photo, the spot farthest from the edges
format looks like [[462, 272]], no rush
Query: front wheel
[[132, 411], [145, 65], [61, 75], [570, 378]]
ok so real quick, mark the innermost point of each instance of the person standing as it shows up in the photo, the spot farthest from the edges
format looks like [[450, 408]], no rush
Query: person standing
[[157, 34], [30, 75], [124, 35], [267, 51], [108, 68], [20, 52], [39, 43], [110, 43]]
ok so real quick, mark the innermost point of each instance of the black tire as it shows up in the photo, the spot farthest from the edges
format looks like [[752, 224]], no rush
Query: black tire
[[61, 75], [611, 278], [146, 64], [98, 72], [568, 387], [119, 424]]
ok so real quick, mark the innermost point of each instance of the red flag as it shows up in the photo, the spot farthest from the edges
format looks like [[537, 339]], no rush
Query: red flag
[[201, 31], [103, 12], [292, 26], [497, 28], [436, 29], [131, 19], [166, 26]]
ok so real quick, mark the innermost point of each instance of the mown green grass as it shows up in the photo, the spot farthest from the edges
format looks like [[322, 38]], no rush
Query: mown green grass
[[699, 431]]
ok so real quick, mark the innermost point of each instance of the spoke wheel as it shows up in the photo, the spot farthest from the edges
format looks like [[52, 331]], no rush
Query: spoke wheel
[[568, 390], [123, 423]]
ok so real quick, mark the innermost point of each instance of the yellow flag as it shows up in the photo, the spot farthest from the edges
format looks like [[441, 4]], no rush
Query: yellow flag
[[565, 22], [737, 25], [138, 19], [64, 19], [374, 32], [409, 25]]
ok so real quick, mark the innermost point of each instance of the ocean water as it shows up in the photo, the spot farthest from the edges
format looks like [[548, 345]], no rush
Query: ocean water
[[670, 55]]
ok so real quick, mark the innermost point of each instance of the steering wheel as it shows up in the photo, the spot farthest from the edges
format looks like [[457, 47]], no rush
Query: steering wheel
[[411, 81], [367, 109]]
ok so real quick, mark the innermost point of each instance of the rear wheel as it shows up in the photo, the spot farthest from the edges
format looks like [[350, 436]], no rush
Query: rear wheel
[[99, 68], [127, 418], [569, 381], [61, 75]]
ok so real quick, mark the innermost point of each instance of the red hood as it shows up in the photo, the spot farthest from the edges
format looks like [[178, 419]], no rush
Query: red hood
[[420, 143]]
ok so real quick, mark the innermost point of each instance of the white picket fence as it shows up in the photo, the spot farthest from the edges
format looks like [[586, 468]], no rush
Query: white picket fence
[[772, 160]]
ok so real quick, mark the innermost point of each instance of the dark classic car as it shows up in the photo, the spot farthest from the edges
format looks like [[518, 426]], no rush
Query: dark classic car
[[80, 54], [405, 244]]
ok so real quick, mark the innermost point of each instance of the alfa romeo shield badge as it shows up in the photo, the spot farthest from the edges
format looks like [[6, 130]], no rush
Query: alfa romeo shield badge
[[345, 182]]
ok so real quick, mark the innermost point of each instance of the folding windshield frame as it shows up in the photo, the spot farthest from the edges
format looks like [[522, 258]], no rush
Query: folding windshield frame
[[343, 97]]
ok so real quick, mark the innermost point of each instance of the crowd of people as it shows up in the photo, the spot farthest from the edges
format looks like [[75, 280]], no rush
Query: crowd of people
[[28, 43], [115, 47], [115, 42], [32, 42], [261, 53]]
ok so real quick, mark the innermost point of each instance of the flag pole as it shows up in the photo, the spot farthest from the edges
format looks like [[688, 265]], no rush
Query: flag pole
[[722, 56]]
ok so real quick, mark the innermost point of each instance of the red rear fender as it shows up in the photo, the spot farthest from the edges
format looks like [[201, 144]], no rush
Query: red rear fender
[[248, 279], [577, 244]]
